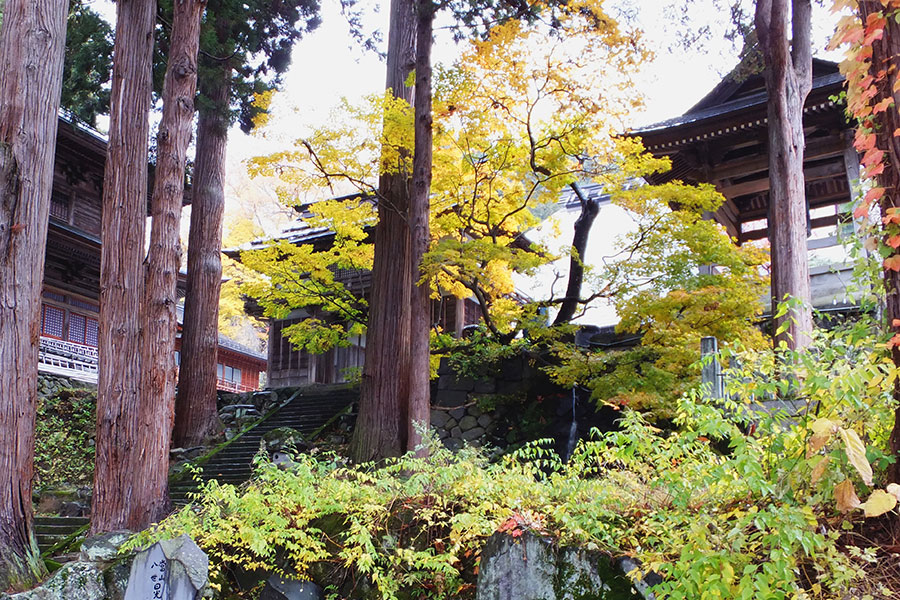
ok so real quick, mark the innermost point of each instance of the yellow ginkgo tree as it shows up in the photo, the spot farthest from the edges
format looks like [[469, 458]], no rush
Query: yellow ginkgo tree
[[519, 119]]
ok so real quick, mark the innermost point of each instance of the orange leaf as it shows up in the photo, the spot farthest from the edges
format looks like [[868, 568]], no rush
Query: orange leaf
[[883, 105], [894, 241], [895, 323], [874, 170], [861, 211], [872, 156], [892, 263], [894, 341], [874, 194], [845, 496], [864, 141]]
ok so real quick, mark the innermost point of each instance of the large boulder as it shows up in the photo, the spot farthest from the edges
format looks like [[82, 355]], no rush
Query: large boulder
[[279, 588], [73, 581], [532, 567]]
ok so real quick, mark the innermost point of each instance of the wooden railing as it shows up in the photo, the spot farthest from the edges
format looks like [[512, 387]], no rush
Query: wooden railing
[[68, 358], [232, 386]]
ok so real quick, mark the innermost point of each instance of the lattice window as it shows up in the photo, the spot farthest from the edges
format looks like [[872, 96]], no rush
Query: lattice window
[[77, 325], [90, 332], [85, 305], [53, 296], [59, 207], [52, 321]]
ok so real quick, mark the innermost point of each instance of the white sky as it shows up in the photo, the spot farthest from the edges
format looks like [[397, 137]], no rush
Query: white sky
[[327, 67]]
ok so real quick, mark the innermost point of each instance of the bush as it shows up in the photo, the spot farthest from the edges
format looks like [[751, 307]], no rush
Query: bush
[[63, 434], [743, 523]]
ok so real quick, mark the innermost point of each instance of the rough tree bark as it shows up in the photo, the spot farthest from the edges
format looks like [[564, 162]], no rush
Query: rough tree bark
[[381, 427], [164, 258], [886, 56], [32, 43], [419, 208], [590, 208], [195, 406], [788, 75], [119, 438]]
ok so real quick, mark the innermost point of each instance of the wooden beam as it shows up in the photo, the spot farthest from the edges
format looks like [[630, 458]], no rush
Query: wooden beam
[[816, 149], [758, 234], [756, 186]]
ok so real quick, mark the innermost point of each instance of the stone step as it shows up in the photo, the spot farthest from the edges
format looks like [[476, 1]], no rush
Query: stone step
[[306, 413]]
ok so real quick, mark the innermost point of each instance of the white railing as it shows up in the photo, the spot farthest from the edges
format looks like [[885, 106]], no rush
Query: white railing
[[68, 359], [232, 386]]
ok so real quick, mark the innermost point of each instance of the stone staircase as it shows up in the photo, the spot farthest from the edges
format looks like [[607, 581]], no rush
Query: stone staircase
[[53, 530], [308, 411]]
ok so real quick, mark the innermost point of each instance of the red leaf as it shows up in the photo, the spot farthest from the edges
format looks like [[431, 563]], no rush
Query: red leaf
[[874, 170], [864, 141], [883, 105], [874, 194], [872, 157], [861, 211]]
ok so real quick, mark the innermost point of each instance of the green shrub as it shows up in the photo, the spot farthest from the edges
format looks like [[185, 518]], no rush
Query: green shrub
[[741, 524], [64, 432]]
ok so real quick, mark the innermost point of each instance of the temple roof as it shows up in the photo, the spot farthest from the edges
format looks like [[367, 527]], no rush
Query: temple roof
[[736, 103]]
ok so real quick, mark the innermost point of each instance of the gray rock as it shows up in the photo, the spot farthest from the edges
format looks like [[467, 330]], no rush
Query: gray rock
[[473, 434], [468, 422], [453, 444], [282, 438], [642, 585], [278, 588], [485, 386], [451, 398], [456, 432], [516, 568], [458, 413], [530, 567], [474, 411], [450, 424], [485, 420], [103, 547], [73, 581], [174, 569], [439, 418]]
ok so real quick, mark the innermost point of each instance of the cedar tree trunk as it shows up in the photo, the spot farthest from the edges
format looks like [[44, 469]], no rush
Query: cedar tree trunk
[[886, 56], [117, 490], [32, 43], [164, 258], [381, 427], [589, 211], [419, 403], [196, 418], [788, 75]]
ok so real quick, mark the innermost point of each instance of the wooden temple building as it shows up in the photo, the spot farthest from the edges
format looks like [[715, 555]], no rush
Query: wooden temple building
[[289, 366], [70, 303], [723, 140]]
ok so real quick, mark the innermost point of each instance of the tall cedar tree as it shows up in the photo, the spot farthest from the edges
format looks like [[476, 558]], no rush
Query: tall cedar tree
[[419, 209], [32, 43], [164, 257], [245, 47], [395, 394], [381, 427], [119, 496], [89, 46], [885, 72], [783, 28]]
